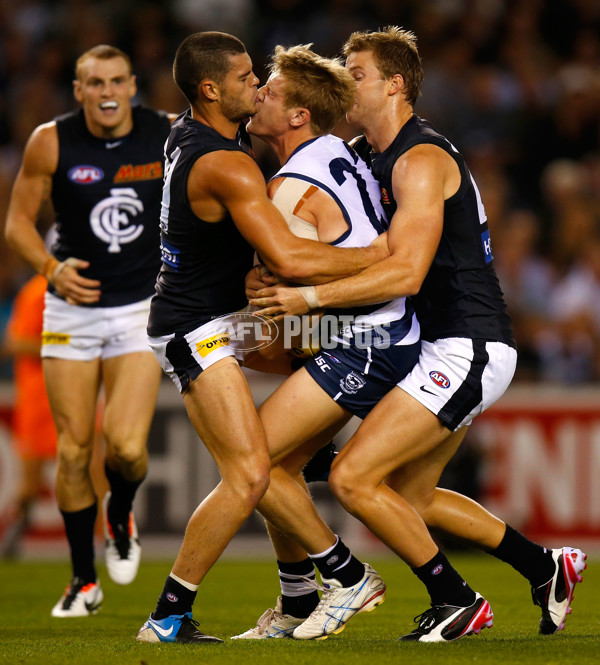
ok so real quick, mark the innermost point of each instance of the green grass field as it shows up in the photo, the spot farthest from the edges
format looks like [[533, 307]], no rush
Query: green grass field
[[235, 594]]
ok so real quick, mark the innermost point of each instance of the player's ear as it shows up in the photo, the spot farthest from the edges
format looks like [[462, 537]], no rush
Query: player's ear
[[133, 86], [300, 117], [207, 89], [396, 84], [77, 90]]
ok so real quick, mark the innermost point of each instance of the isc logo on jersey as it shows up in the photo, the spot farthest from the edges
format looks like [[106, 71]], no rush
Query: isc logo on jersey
[[206, 346], [84, 174]]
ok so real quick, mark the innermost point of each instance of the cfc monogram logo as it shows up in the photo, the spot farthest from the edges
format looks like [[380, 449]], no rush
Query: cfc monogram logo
[[111, 218]]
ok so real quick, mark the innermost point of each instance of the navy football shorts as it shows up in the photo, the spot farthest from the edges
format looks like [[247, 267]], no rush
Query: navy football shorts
[[357, 378]]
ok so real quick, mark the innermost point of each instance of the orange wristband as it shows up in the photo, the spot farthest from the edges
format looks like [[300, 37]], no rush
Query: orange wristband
[[49, 267]]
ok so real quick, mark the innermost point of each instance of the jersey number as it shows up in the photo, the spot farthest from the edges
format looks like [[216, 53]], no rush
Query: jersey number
[[339, 169]]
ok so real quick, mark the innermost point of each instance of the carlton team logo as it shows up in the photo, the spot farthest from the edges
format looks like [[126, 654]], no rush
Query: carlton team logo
[[440, 379], [111, 218], [84, 174]]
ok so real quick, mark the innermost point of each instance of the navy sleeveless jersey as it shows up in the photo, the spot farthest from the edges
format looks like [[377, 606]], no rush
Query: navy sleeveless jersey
[[106, 196], [204, 264], [461, 295]]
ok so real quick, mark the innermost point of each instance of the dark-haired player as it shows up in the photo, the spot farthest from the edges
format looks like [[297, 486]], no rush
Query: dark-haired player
[[215, 210]]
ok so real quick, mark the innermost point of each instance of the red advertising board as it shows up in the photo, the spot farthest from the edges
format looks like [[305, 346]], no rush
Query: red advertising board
[[540, 467], [541, 470]]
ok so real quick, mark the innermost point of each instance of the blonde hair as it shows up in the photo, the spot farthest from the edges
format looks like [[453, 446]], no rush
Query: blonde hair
[[101, 52], [395, 52], [321, 85]]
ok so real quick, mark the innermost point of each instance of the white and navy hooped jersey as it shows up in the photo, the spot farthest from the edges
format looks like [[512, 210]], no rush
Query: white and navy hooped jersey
[[106, 196], [461, 295], [334, 167]]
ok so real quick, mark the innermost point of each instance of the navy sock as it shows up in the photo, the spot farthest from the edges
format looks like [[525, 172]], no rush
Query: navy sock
[[339, 563], [122, 493], [297, 597], [528, 558], [174, 599], [79, 526], [444, 584]]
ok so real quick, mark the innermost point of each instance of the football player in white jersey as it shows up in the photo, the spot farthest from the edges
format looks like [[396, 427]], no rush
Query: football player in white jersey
[[322, 185]]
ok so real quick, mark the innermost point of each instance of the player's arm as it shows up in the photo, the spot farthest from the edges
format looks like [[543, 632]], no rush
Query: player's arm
[[31, 190], [22, 346], [418, 185], [235, 182]]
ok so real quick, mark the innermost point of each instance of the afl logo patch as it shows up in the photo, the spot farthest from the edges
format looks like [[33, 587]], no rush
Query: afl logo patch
[[440, 379], [438, 569], [85, 174], [172, 598]]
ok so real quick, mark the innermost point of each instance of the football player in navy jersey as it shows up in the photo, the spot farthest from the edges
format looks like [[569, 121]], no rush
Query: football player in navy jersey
[[440, 253], [102, 168], [215, 212]]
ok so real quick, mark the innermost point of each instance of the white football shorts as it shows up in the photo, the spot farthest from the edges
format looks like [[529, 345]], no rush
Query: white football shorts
[[184, 356], [458, 378], [75, 332]]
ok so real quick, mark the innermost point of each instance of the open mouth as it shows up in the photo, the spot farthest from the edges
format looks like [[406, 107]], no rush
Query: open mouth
[[109, 106]]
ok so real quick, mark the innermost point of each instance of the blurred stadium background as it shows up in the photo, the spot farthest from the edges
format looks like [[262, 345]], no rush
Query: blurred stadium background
[[515, 85]]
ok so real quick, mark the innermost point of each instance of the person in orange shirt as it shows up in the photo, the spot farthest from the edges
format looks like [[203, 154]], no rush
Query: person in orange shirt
[[33, 426]]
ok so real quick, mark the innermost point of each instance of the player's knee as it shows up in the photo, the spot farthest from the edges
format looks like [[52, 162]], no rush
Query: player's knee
[[127, 454], [346, 486], [73, 459], [72, 433], [251, 484]]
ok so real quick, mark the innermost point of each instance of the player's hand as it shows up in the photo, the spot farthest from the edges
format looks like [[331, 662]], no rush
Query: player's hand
[[257, 279], [279, 301], [74, 288]]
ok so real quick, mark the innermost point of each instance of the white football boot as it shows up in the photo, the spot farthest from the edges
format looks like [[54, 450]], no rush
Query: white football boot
[[272, 624], [79, 600], [123, 551], [556, 595], [339, 604]]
